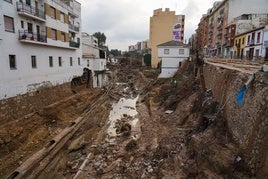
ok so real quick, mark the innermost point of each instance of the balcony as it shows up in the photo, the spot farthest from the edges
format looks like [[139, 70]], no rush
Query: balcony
[[73, 27], [74, 44], [31, 37], [29, 11]]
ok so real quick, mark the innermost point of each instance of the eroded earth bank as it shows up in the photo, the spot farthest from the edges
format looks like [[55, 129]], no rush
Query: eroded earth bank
[[138, 126]]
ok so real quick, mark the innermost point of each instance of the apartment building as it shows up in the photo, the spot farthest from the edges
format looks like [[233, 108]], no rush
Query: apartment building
[[226, 19], [202, 35], [40, 44], [164, 26], [254, 43], [239, 46], [265, 43]]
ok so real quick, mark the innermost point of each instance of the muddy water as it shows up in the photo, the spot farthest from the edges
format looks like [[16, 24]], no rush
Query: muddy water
[[120, 109]]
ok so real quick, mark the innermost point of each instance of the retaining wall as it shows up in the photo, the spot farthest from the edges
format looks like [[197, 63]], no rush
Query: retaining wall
[[247, 122]]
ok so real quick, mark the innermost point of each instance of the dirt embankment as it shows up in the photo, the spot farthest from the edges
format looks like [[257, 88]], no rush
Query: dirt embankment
[[21, 138], [178, 132]]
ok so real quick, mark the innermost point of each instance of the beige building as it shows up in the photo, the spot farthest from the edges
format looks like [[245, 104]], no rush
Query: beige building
[[164, 26]]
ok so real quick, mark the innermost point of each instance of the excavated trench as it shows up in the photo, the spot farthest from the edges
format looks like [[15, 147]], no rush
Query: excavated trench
[[136, 127]]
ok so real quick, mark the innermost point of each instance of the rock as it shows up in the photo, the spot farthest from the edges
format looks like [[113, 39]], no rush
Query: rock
[[150, 169]]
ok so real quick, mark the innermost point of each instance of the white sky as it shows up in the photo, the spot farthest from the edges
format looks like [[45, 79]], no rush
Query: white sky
[[125, 22]]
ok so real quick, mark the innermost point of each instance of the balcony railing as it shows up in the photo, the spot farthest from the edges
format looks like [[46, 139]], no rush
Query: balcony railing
[[73, 27], [37, 37], [27, 9], [74, 44]]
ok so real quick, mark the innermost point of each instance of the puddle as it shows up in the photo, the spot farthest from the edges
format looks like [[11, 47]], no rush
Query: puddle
[[122, 107]]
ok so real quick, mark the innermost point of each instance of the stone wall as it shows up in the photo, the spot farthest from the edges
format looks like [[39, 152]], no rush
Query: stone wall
[[247, 122], [21, 105]]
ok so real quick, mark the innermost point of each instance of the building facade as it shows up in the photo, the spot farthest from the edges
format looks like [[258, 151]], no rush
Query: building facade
[[254, 44], [265, 43], [229, 18], [164, 26], [172, 54], [40, 44], [94, 58], [239, 46]]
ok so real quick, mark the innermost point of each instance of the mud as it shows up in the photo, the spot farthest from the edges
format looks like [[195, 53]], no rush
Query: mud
[[129, 134]]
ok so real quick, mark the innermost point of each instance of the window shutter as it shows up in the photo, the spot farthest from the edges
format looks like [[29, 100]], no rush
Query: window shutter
[[58, 37], [67, 37], [49, 33], [47, 9], [66, 19], [57, 14], [9, 24]]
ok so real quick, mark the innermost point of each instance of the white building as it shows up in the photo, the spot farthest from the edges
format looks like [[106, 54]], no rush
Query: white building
[[254, 43], [238, 7], [40, 44], [94, 58], [172, 54], [264, 50]]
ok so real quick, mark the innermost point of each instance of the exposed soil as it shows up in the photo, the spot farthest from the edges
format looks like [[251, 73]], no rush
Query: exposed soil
[[178, 132]]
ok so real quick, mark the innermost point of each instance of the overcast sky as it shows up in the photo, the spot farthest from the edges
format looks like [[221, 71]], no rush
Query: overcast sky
[[125, 22]]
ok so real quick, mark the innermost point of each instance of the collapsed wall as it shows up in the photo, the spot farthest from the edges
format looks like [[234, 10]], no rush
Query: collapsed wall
[[247, 122]]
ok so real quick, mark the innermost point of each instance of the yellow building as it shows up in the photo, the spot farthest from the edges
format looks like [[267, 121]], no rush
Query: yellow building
[[239, 46], [164, 26]]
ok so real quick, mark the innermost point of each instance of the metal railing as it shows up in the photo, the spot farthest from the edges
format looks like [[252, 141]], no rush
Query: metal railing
[[38, 37], [25, 8], [74, 44], [73, 27]]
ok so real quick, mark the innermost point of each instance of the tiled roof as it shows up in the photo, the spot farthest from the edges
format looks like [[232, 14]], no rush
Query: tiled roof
[[172, 43]]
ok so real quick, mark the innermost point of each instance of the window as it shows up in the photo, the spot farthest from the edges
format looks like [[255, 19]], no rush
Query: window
[[53, 12], [71, 61], [62, 17], [60, 62], [28, 2], [243, 41], [79, 61], [54, 34], [248, 39], [30, 27], [181, 51], [50, 61], [12, 62], [22, 24], [9, 24], [166, 51], [63, 37], [258, 37], [87, 63], [257, 53], [33, 58]]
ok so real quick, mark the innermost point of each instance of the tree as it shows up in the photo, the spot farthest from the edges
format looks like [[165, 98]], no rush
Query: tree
[[101, 38], [115, 52]]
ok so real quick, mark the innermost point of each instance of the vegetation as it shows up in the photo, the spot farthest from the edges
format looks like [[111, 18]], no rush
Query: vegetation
[[101, 39]]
